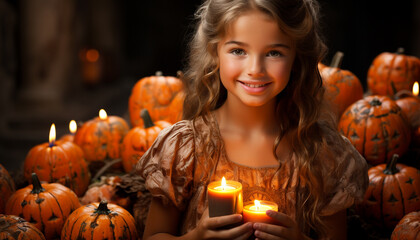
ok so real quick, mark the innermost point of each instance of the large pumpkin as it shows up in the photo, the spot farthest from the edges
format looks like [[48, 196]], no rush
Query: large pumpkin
[[139, 139], [100, 221], [100, 138], [408, 228], [7, 187], [393, 191], [392, 72], [377, 128], [342, 86], [162, 96], [47, 206], [15, 228], [62, 162]]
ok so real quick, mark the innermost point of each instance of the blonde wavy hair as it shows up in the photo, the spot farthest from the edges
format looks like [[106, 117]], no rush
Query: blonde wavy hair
[[301, 99]]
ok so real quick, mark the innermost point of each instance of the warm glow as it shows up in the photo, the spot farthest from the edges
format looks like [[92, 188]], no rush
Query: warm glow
[[416, 89], [257, 204], [52, 135], [73, 127], [102, 114], [92, 55]]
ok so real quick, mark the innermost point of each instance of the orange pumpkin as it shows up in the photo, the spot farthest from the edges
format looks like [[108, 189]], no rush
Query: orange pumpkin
[[162, 96], [139, 139], [410, 105], [393, 191], [377, 128], [7, 187], [16, 228], [105, 189], [393, 72], [63, 162], [408, 228], [100, 221], [47, 206], [101, 137], [342, 87]]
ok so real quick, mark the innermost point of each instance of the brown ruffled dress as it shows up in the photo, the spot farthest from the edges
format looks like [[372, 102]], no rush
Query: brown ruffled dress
[[187, 156]]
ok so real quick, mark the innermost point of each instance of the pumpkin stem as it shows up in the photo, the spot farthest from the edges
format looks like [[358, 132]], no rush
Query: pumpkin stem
[[159, 73], [103, 208], [375, 102], [148, 123], [337, 60], [37, 187], [391, 166], [400, 50]]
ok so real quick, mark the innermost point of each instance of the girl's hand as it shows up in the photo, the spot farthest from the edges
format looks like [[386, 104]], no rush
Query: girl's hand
[[287, 228], [213, 228]]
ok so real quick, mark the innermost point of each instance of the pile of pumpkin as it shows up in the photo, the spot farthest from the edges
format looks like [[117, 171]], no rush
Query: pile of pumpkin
[[383, 124], [64, 201]]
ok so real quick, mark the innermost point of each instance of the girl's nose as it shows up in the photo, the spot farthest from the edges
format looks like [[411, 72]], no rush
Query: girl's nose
[[256, 67]]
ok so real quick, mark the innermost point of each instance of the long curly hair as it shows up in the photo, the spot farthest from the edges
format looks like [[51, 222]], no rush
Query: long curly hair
[[302, 99]]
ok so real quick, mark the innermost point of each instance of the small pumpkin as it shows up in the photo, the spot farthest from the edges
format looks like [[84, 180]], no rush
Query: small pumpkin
[[100, 221], [139, 139], [105, 189], [408, 228], [162, 96], [393, 191], [7, 187], [47, 206], [342, 86], [13, 227], [393, 72], [62, 162], [100, 138], [377, 127]]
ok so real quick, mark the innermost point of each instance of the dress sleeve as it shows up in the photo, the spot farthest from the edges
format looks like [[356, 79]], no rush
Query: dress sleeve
[[167, 166], [347, 182]]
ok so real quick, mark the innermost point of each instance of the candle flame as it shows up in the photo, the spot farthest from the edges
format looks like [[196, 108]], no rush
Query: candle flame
[[223, 183], [52, 135], [92, 55], [72, 126], [102, 114], [257, 204], [416, 89]]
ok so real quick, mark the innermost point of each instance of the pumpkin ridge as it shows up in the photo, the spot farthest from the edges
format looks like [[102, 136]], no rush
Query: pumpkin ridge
[[58, 203], [401, 194]]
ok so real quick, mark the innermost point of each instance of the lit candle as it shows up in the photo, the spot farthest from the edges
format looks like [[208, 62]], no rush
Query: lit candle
[[58, 161], [73, 129], [256, 211], [225, 198]]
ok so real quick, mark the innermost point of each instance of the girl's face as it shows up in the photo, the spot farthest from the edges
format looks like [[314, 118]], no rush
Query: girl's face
[[255, 59]]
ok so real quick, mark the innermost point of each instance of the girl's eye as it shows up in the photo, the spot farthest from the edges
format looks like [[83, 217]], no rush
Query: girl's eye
[[274, 53], [238, 52]]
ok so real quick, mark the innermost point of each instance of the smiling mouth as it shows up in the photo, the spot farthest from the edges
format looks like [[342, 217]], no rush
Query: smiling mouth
[[254, 85]]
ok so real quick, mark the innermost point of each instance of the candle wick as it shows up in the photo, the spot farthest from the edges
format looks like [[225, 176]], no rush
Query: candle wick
[[52, 144]]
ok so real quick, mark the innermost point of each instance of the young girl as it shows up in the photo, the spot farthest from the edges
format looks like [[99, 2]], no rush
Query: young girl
[[254, 114]]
